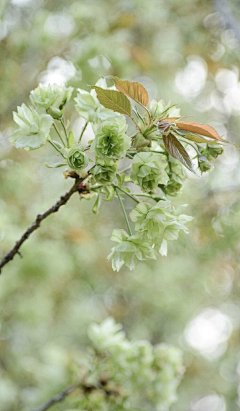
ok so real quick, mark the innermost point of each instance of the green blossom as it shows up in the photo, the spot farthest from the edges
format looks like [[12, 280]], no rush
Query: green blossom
[[149, 170], [76, 158], [111, 140], [177, 175], [159, 223], [33, 128], [130, 250], [50, 96], [89, 107], [105, 171]]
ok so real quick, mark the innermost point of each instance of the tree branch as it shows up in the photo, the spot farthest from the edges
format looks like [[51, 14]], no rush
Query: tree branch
[[86, 390], [58, 398], [40, 217]]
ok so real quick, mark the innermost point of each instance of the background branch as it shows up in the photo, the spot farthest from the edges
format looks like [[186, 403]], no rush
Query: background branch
[[59, 397], [40, 217]]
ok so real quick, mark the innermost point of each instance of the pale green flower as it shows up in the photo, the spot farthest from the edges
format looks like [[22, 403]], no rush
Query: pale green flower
[[76, 158], [106, 336], [34, 128], [111, 140], [130, 250], [89, 107], [151, 219], [105, 171], [50, 96], [177, 175], [149, 170], [159, 223]]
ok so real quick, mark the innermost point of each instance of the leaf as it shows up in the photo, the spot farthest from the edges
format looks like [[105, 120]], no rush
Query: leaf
[[197, 138], [176, 149], [199, 128], [114, 100], [57, 165], [171, 119], [134, 90]]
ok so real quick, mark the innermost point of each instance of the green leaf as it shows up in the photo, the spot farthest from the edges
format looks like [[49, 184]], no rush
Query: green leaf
[[114, 100], [70, 139], [176, 149], [134, 90], [196, 138], [57, 165]]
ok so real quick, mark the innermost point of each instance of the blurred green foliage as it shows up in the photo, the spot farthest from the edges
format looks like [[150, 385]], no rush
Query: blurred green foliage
[[49, 297]]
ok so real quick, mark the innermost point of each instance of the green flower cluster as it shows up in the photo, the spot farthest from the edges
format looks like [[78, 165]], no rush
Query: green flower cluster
[[149, 170], [120, 162], [124, 368]]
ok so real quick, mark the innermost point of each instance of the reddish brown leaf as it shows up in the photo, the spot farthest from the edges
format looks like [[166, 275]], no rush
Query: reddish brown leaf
[[199, 128], [176, 149]]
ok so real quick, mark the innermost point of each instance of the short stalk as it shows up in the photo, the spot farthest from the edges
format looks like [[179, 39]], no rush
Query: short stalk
[[124, 213]]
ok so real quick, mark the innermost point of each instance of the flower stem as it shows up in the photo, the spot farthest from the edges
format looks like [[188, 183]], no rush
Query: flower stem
[[124, 213], [58, 133], [56, 148], [127, 194], [64, 129], [83, 131]]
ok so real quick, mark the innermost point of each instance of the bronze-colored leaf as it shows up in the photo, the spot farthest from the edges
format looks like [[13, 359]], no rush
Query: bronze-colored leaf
[[199, 128], [176, 149], [114, 100], [134, 90]]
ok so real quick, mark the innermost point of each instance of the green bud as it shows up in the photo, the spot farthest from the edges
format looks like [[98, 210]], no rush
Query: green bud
[[96, 205], [76, 158], [139, 141], [55, 113]]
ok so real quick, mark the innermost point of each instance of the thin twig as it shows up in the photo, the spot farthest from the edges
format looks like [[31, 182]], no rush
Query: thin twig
[[58, 398], [40, 217]]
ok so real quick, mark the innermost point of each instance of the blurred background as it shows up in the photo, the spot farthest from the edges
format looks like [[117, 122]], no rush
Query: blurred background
[[186, 52]]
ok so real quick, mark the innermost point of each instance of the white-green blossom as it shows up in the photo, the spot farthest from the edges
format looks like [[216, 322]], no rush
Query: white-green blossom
[[89, 107], [111, 140], [135, 371], [160, 223], [149, 170], [129, 250], [33, 127], [50, 96], [76, 158]]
